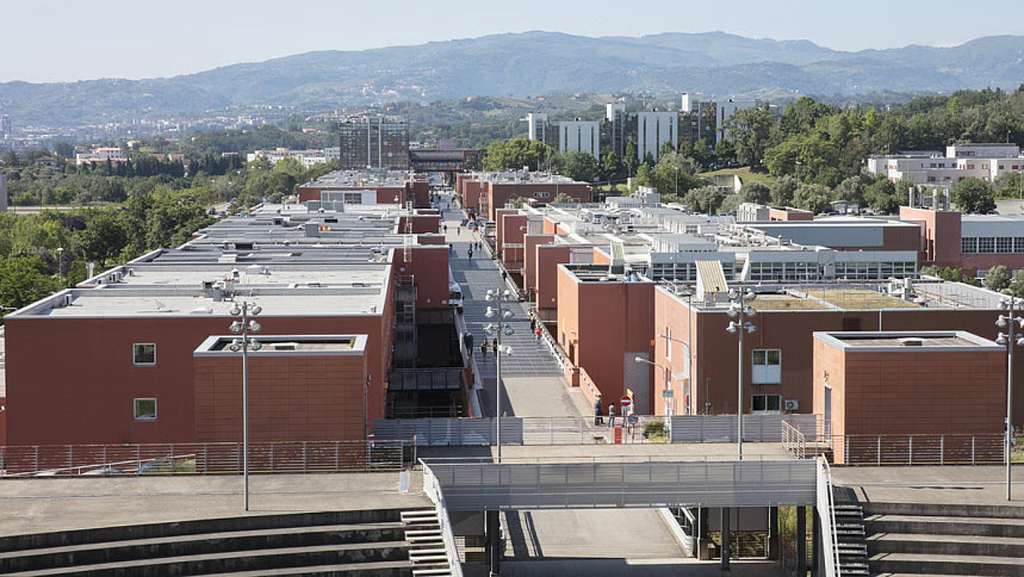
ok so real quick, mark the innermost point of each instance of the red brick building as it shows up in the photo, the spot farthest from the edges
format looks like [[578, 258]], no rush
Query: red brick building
[[907, 383], [483, 193]]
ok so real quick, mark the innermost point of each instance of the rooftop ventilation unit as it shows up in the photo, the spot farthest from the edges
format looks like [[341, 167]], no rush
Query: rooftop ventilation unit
[[912, 342]]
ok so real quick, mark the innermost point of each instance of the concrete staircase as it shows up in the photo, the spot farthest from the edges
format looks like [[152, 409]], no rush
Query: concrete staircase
[[352, 543], [946, 539], [853, 550], [426, 544]]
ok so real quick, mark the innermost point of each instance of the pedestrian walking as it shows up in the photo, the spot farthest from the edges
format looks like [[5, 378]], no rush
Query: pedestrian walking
[[483, 349], [611, 415], [536, 334], [445, 227], [494, 345], [598, 420], [470, 252], [533, 322]]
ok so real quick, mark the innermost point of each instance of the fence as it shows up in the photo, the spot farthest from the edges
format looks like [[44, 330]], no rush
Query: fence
[[918, 449], [895, 449], [203, 458], [449, 432], [432, 489], [722, 428]]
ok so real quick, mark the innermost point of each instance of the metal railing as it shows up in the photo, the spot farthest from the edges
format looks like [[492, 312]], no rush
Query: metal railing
[[204, 458], [827, 513], [756, 428], [531, 431], [432, 488], [918, 449], [936, 449]]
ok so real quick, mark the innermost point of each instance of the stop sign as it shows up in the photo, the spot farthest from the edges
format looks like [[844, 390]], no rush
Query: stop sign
[[625, 401]]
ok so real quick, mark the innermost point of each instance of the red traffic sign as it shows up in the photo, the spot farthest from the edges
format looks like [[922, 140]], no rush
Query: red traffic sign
[[625, 401]]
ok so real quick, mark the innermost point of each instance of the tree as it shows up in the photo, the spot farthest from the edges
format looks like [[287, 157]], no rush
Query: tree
[[997, 279], [812, 197], [23, 280], [632, 159], [562, 198], [782, 191], [1017, 284], [612, 167], [518, 202], [851, 189], [973, 195], [516, 153], [881, 196], [575, 164], [705, 199], [750, 131]]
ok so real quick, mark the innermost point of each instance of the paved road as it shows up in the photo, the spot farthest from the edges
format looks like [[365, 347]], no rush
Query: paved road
[[533, 382]]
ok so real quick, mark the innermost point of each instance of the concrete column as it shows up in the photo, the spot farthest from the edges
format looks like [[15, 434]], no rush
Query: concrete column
[[702, 533], [492, 526], [726, 541], [801, 541], [773, 532], [816, 545]]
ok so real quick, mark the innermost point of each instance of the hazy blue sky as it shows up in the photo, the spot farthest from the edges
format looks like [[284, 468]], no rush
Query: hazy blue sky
[[56, 40]]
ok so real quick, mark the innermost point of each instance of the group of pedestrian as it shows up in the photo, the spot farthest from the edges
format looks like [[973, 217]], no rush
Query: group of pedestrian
[[599, 417], [493, 346], [535, 327]]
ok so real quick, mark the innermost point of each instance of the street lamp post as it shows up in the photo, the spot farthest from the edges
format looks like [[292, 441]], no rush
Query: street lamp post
[[1011, 306], [739, 309], [245, 328], [501, 313], [60, 264]]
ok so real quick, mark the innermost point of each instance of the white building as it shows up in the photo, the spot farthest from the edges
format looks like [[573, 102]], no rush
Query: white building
[[654, 129], [580, 135], [726, 110], [102, 154], [931, 168], [537, 126]]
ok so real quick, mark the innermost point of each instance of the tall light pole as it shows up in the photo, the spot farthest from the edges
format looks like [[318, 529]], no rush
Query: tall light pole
[[739, 309], [1011, 306], [244, 327], [501, 313], [60, 264]]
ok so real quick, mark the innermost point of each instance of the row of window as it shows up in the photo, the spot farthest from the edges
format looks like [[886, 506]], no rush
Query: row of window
[[992, 245], [875, 270]]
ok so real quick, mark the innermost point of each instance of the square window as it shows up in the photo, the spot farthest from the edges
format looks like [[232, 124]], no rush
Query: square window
[[145, 409], [766, 403], [144, 354]]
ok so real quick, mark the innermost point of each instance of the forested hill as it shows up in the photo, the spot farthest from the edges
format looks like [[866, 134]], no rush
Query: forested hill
[[533, 63]]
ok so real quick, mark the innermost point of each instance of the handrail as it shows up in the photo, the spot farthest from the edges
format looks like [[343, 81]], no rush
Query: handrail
[[827, 514], [433, 490]]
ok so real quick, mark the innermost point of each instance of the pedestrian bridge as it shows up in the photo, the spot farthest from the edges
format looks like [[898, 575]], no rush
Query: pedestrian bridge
[[493, 486]]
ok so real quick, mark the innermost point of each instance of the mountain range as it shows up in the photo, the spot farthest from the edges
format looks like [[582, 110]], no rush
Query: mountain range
[[715, 64]]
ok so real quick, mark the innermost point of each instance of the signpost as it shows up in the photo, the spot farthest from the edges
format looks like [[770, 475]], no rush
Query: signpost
[[626, 402]]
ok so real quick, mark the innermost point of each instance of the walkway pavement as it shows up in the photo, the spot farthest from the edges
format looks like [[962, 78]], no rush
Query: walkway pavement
[[533, 382]]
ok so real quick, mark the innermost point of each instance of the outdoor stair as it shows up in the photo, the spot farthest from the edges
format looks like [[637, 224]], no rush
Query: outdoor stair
[[353, 543], [426, 544], [853, 551], [908, 538]]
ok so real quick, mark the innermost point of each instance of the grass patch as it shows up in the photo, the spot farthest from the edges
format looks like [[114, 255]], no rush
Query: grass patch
[[860, 299], [745, 174]]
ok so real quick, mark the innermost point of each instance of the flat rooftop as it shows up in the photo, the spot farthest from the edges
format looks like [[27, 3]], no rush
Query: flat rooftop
[[287, 345], [362, 179], [918, 294], [891, 341], [294, 274]]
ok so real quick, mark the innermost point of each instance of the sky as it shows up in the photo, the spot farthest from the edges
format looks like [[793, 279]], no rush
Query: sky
[[69, 40]]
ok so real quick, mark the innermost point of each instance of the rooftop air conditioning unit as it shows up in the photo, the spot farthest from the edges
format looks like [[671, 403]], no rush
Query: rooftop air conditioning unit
[[791, 405]]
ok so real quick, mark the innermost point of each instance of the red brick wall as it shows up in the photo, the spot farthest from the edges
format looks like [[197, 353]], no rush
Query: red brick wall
[[531, 242], [941, 235], [290, 398], [429, 267], [548, 259], [421, 223], [87, 396]]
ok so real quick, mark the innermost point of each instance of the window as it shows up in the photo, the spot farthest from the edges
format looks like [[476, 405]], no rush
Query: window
[[968, 245], [144, 354], [767, 367], [1004, 244], [766, 404], [145, 409], [986, 244]]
